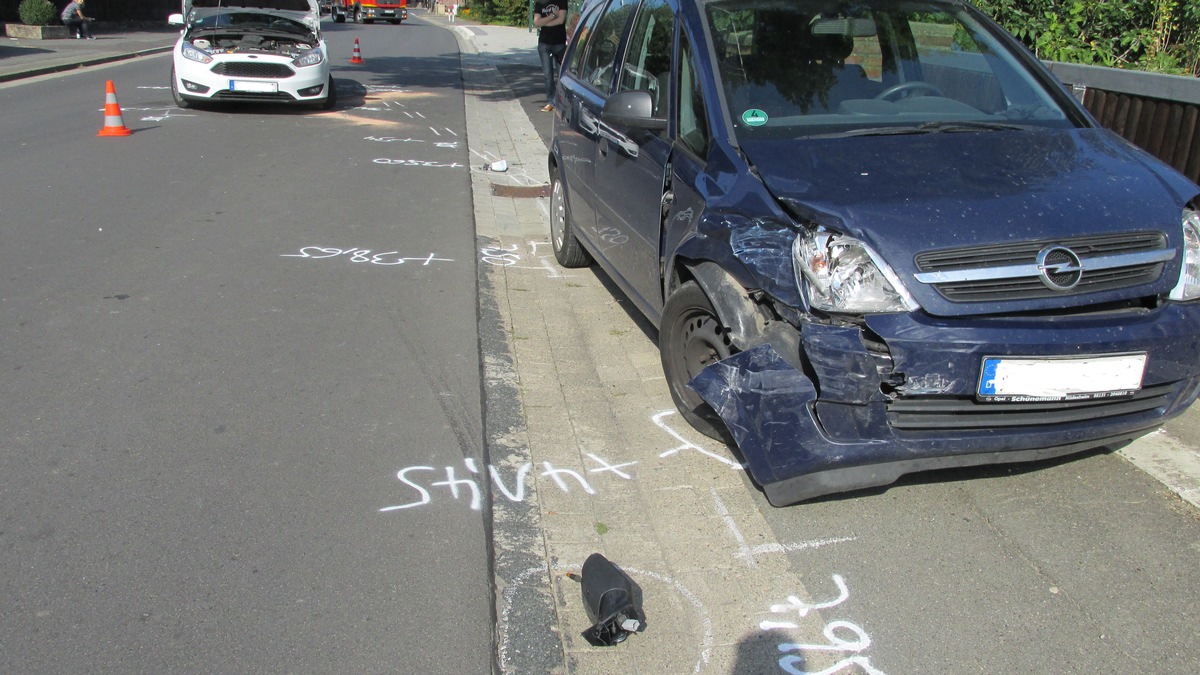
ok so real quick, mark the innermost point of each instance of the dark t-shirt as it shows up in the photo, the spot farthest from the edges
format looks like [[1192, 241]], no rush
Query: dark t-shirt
[[551, 35]]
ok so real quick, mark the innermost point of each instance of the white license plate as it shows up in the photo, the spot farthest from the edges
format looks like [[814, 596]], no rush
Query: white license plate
[[260, 87], [1060, 379]]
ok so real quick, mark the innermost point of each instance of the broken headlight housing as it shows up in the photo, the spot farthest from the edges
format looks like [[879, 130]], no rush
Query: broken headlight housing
[[842, 274], [1188, 287]]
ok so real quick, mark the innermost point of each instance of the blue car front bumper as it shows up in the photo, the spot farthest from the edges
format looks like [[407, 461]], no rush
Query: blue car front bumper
[[899, 394]]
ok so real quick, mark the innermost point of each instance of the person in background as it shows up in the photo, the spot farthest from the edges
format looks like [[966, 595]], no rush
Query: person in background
[[75, 21], [550, 17]]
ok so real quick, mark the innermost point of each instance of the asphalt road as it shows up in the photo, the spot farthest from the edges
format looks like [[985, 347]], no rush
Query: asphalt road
[[223, 336]]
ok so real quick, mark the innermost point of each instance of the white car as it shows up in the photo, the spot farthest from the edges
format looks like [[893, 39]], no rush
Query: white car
[[267, 51]]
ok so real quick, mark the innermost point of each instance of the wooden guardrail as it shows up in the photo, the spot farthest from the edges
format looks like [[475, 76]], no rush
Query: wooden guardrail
[[1158, 113]]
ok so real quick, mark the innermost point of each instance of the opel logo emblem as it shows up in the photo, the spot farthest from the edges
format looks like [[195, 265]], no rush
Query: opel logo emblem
[[1059, 268]]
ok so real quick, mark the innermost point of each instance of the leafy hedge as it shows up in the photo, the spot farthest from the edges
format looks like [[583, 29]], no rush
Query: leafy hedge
[[504, 12], [37, 12], [1157, 35]]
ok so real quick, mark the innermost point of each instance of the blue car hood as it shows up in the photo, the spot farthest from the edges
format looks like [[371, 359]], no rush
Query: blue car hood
[[904, 194]]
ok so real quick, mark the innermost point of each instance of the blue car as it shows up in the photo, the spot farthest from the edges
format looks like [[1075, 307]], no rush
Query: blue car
[[876, 236]]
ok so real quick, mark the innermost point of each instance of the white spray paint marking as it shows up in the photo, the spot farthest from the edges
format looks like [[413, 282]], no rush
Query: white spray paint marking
[[563, 478], [445, 145], [688, 445], [429, 164], [794, 662], [802, 608], [507, 256], [364, 255]]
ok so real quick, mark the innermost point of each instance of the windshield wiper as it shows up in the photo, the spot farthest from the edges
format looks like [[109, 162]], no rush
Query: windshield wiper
[[925, 128]]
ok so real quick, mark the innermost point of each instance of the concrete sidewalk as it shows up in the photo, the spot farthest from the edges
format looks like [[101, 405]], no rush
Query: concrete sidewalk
[[20, 58]]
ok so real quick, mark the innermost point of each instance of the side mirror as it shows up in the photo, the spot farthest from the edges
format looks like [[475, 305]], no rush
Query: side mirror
[[632, 109], [175, 19], [612, 601]]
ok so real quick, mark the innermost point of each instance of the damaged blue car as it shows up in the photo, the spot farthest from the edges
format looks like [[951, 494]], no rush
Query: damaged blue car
[[876, 236]]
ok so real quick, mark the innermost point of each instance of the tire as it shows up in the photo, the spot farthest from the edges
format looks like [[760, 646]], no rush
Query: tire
[[358, 17], [330, 97], [180, 101], [339, 18], [567, 249], [690, 338]]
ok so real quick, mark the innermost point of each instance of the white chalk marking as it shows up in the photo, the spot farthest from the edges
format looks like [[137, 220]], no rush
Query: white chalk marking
[[763, 549], [743, 549], [614, 468], [688, 445]]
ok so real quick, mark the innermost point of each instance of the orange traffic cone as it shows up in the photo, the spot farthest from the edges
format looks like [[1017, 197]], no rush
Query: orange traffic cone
[[357, 54], [114, 125]]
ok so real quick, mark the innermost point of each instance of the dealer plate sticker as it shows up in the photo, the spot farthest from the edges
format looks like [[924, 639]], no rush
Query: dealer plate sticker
[[1061, 379], [247, 85]]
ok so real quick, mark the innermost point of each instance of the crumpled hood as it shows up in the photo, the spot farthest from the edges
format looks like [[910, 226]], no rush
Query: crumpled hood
[[911, 193]]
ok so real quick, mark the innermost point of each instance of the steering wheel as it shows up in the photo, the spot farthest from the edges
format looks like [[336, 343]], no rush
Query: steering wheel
[[913, 86]]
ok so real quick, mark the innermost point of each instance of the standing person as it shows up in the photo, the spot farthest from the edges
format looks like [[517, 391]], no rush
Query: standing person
[[75, 21], [453, 12], [550, 17]]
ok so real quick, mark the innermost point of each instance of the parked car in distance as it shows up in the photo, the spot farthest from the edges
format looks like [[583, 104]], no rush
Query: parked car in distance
[[265, 51], [876, 236]]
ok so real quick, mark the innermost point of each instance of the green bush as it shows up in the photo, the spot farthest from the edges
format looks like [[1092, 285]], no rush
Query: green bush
[[37, 12], [1157, 35]]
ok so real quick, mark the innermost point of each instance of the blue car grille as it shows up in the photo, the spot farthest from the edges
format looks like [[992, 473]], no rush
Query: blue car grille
[[964, 413], [276, 71], [1025, 253]]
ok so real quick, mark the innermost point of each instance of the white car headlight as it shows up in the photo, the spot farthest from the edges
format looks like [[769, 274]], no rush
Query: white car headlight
[[191, 53], [842, 274], [309, 58], [1188, 287]]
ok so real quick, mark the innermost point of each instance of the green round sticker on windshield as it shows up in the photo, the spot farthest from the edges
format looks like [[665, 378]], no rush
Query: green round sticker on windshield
[[754, 117]]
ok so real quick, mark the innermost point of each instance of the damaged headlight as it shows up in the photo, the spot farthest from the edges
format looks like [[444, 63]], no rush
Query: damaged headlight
[[842, 274], [193, 53], [309, 59], [1188, 287]]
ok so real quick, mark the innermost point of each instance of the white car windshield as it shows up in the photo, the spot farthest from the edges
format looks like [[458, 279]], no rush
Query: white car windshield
[[793, 68]]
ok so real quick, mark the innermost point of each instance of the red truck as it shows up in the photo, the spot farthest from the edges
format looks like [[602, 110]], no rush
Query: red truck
[[367, 11]]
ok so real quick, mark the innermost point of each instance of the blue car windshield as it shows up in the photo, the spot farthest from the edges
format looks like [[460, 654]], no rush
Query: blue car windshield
[[792, 68]]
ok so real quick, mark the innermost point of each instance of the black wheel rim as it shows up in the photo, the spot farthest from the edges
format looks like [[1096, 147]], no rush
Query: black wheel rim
[[703, 342]]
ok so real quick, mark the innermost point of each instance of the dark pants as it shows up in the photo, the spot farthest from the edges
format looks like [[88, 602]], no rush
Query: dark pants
[[551, 57], [78, 26]]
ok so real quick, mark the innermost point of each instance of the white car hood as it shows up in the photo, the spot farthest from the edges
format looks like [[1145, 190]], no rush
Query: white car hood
[[306, 11]]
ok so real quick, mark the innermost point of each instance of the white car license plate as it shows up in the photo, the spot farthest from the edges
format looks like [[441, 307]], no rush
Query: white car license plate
[[1060, 379], [247, 85]]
